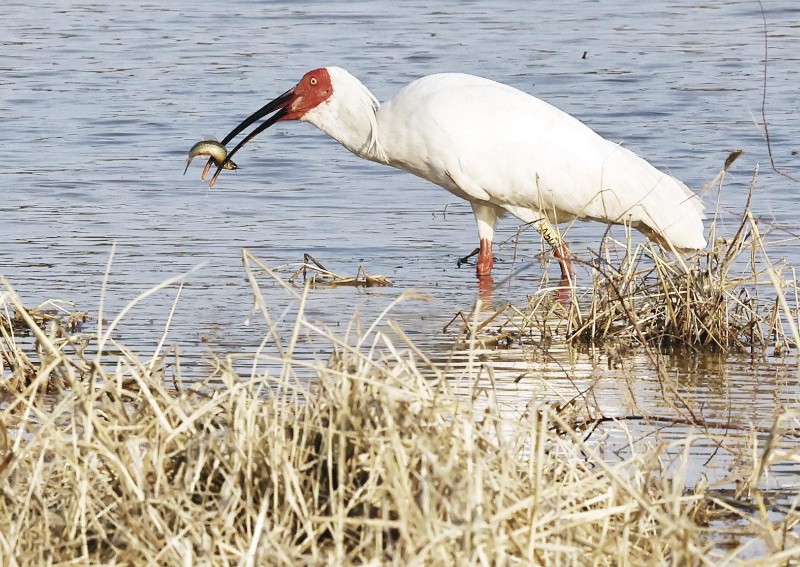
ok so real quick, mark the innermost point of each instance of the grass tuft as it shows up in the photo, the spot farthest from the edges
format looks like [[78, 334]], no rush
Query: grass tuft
[[732, 299]]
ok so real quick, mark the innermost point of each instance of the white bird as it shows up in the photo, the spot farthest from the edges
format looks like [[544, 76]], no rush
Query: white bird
[[499, 148]]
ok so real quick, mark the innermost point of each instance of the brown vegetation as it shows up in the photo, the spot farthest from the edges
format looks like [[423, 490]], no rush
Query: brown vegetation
[[377, 456], [371, 461]]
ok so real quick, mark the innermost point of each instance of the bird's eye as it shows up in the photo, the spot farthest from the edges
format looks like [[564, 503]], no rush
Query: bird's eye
[[313, 81]]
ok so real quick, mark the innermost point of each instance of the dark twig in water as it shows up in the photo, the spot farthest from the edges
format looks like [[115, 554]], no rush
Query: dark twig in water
[[706, 424], [764, 100]]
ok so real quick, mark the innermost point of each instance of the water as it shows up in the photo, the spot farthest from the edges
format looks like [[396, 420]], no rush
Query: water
[[100, 104]]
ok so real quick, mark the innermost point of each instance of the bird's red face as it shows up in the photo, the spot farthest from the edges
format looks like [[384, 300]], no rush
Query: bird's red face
[[312, 90]]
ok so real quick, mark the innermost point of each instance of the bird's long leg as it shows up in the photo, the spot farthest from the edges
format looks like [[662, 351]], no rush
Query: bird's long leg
[[564, 257], [485, 259], [560, 247], [486, 215]]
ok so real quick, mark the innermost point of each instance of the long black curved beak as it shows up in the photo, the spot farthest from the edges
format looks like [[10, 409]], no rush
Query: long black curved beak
[[280, 105]]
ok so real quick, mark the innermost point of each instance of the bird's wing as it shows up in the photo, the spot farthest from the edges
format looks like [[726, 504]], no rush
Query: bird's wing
[[509, 148]]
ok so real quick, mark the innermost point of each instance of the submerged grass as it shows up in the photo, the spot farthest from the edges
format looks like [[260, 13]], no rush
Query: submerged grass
[[372, 461]]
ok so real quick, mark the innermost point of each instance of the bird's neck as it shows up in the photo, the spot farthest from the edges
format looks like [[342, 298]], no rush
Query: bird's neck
[[352, 121]]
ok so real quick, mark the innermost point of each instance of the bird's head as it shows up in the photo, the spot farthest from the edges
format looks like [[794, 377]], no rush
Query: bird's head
[[323, 97], [313, 89]]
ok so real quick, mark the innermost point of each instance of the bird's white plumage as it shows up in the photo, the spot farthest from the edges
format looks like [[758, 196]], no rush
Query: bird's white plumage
[[507, 151]]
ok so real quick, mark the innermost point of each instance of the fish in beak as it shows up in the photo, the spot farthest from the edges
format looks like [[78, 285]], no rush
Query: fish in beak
[[313, 89], [280, 108]]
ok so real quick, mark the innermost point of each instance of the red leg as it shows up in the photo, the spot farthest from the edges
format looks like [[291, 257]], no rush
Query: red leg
[[563, 255], [485, 258]]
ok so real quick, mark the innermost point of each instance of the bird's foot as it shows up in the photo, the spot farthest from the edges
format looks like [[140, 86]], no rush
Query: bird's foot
[[461, 261]]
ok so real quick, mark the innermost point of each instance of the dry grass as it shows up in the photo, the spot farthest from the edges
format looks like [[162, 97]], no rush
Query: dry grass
[[369, 462], [317, 275], [728, 300], [59, 321], [733, 299]]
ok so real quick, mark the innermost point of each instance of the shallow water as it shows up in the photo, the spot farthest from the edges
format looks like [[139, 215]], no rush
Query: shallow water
[[100, 105]]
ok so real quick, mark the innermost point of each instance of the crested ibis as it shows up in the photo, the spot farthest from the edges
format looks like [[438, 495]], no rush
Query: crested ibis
[[499, 148]]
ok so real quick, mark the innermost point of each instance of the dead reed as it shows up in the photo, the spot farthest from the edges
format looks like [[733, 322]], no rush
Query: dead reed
[[372, 461], [729, 300], [732, 299], [56, 320], [316, 275]]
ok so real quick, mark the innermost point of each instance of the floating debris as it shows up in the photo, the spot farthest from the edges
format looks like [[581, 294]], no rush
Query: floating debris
[[322, 277]]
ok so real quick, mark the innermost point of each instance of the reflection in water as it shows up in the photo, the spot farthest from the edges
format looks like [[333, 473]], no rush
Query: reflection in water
[[486, 291], [727, 406]]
